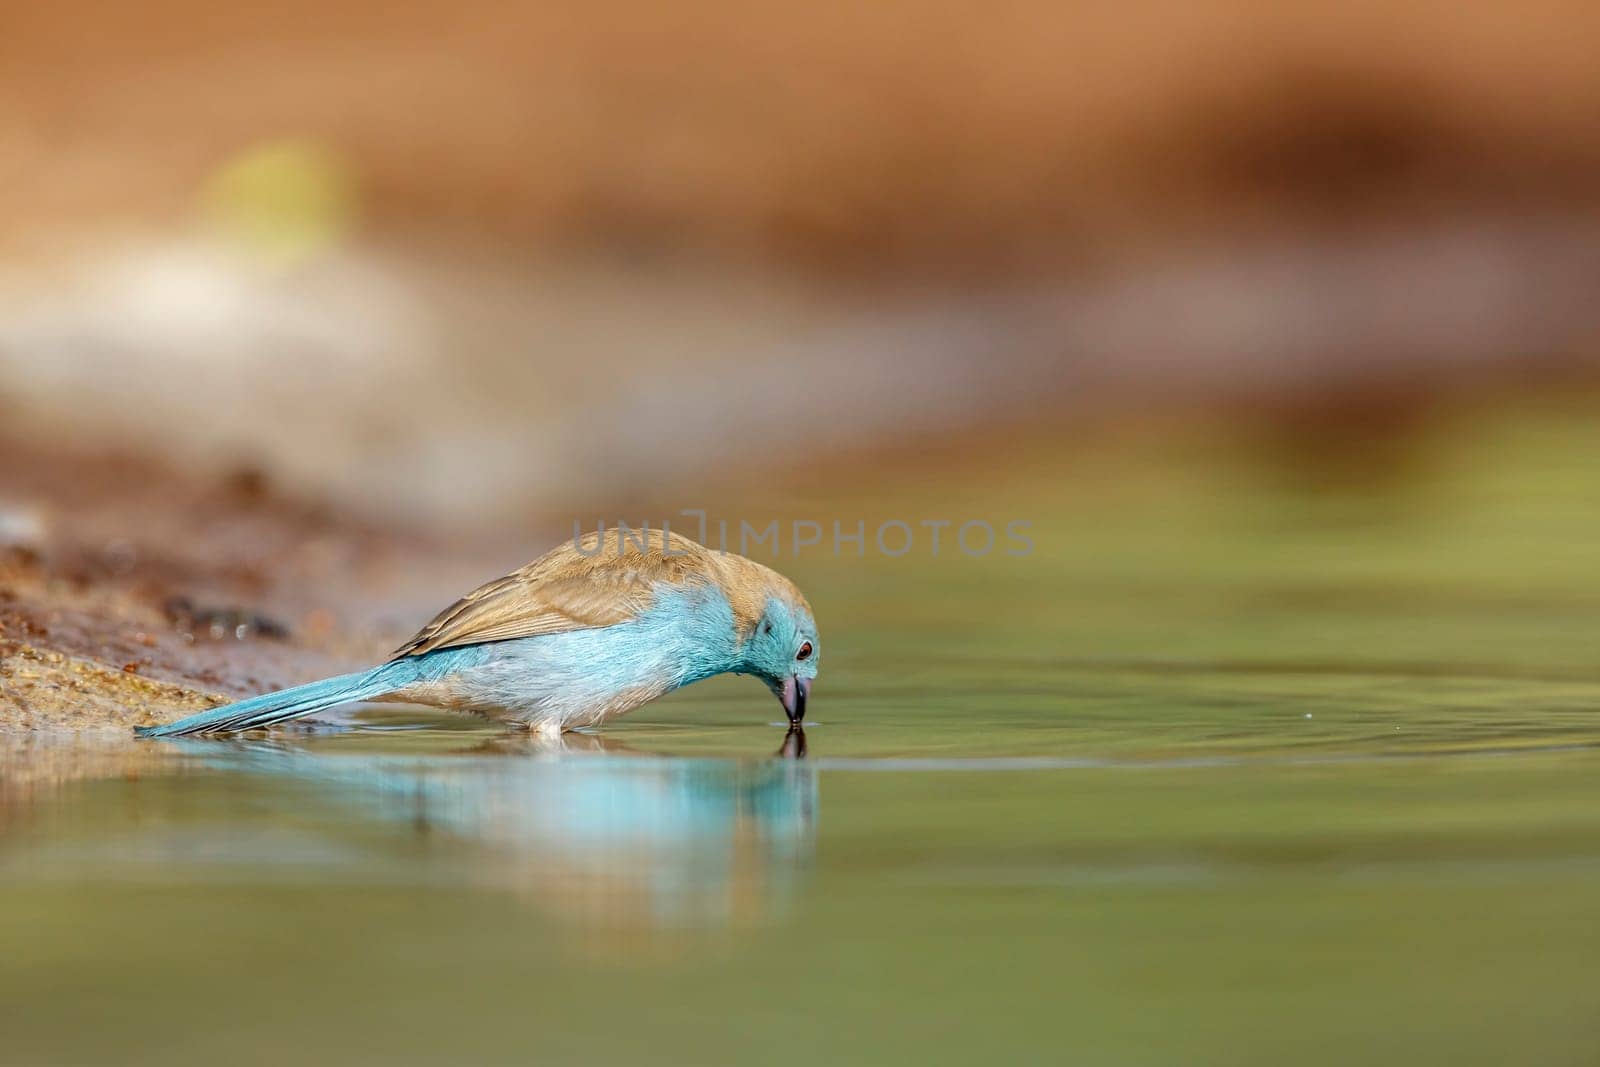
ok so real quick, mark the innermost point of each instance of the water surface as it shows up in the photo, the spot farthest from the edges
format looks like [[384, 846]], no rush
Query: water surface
[[1219, 776]]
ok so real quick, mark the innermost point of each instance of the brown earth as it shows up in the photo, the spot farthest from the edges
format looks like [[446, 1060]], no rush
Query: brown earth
[[130, 594]]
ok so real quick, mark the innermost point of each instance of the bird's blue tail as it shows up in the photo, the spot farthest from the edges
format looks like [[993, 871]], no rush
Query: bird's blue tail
[[288, 704]]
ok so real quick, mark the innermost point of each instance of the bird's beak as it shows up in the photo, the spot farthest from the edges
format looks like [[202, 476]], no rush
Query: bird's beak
[[793, 695], [794, 743]]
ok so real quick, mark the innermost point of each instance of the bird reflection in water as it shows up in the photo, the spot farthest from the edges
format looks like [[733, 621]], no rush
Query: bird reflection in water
[[584, 827]]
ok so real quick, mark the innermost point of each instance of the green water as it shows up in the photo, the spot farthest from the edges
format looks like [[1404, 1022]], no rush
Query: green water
[[1229, 772]]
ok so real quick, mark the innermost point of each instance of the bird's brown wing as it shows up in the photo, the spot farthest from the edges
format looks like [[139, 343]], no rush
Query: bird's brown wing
[[565, 589]]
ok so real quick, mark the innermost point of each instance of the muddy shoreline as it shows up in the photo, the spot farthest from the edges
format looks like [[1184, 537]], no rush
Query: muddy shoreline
[[131, 591]]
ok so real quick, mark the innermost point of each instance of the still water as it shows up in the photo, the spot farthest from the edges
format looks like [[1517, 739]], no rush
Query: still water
[[678, 895], [1215, 780]]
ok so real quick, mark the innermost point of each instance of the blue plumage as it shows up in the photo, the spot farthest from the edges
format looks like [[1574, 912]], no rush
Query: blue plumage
[[577, 637], [277, 707], [301, 700]]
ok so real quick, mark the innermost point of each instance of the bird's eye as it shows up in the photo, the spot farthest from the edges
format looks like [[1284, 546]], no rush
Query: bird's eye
[[767, 628], [805, 651]]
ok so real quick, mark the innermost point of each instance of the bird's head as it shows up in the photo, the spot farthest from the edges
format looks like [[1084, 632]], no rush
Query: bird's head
[[780, 645]]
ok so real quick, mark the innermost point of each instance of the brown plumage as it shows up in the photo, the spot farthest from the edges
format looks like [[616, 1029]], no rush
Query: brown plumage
[[587, 583]]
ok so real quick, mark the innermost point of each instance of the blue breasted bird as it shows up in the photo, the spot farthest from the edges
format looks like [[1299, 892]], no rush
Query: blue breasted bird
[[587, 632]]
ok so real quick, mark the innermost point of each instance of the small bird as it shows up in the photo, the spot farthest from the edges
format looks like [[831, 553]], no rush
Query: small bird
[[589, 631]]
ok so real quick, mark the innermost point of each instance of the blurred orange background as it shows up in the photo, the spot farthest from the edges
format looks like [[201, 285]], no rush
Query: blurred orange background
[[452, 259]]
